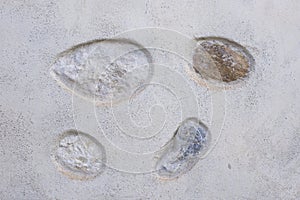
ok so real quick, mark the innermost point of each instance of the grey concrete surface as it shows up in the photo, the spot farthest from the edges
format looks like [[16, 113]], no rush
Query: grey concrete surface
[[255, 150]]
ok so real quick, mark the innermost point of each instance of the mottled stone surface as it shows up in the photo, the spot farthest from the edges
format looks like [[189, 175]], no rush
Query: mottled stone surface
[[78, 155], [225, 60], [103, 71], [190, 141]]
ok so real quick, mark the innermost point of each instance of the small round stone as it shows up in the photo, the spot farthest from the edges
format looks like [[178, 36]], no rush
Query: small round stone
[[103, 71], [222, 59], [79, 155]]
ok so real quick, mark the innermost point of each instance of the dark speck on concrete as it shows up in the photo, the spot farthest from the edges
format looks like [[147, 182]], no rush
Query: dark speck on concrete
[[229, 166]]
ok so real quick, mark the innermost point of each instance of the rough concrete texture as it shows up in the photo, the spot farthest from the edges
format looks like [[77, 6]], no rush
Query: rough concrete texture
[[254, 125]]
